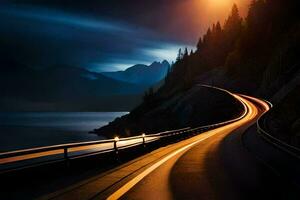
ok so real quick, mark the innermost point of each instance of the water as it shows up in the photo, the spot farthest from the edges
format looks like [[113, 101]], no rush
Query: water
[[21, 130]]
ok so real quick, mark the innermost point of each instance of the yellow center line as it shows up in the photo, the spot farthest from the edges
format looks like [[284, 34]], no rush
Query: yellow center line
[[252, 112]]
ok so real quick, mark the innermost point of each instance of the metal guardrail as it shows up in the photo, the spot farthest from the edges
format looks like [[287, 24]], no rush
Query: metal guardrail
[[66, 147], [294, 151], [84, 149], [115, 145]]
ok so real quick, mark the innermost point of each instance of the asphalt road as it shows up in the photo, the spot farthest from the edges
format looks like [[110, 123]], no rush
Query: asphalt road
[[219, 167], [223, 163]]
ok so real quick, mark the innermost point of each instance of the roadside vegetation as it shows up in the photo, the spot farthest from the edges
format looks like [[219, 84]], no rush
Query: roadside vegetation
[[257, 55]]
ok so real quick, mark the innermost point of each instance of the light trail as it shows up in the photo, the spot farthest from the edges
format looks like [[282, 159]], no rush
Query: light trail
[[252, 112], [95, 147], [261, 102]]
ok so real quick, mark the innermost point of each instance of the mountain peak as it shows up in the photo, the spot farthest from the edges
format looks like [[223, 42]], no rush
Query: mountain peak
[[164, 64], [142, 74]]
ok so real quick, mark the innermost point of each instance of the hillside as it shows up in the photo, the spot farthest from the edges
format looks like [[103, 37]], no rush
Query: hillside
[[284, 119], [257, 55], [194, 107]]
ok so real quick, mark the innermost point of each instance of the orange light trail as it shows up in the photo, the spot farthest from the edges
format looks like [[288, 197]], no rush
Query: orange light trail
[[252, 112]]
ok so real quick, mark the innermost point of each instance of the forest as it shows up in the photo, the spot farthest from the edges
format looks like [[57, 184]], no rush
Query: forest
[[256, 55]]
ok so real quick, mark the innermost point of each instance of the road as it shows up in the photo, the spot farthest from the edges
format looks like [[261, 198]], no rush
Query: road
[[216, 166], [212, 165]]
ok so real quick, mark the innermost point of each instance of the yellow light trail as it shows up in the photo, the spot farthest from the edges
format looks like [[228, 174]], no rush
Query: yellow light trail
[[252, 112]]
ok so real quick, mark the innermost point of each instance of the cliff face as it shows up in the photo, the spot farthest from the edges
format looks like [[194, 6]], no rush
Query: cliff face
[[195, 107]]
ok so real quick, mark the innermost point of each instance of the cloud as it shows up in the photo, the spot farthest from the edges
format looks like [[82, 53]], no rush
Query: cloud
[[54, 16], [48, 37]]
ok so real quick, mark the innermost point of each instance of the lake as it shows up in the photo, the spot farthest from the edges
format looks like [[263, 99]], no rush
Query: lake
[[19, 130]]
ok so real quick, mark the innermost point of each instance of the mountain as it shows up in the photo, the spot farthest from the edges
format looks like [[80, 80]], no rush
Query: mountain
[[258, 56], [63, 88], [142, 74]]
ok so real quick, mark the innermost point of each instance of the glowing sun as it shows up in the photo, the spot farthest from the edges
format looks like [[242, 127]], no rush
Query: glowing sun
[[220, 2]]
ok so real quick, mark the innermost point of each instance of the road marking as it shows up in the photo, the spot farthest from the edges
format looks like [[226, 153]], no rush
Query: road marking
[[125, 188]]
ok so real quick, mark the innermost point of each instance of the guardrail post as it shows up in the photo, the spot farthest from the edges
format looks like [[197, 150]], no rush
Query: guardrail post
[[66, 157], [116, 148], [144, 139]]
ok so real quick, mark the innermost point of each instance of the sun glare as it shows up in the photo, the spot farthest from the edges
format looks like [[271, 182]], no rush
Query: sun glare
[[219, 5], [211, 11], [219, 2]]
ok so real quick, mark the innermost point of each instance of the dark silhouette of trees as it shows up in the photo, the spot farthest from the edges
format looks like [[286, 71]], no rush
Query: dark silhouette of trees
[[199, 44], [259, 54], [192, 52], [148, 96], [186, 53], [242, 48], [179, 55]]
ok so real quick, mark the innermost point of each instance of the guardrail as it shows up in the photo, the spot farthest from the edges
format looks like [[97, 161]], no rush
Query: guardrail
[[103, 146], [294, 151], [83, 149], [64, 152]]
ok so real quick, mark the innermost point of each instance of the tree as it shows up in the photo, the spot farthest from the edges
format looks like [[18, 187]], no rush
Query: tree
[[233, 23], [207, 37], [186, 53], [179, 55], [218, 27], [199, 44]]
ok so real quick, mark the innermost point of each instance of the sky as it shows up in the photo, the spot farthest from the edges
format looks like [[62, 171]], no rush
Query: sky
[[102, 35]]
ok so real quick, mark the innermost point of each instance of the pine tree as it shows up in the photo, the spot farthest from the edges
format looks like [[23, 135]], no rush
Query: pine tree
[[207, 37], [234, 21], [186, 53], [179, 55], [218, 27], [199, 44]]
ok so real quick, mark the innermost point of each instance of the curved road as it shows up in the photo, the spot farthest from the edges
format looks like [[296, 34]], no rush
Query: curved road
[[214, 167], [224, 163]]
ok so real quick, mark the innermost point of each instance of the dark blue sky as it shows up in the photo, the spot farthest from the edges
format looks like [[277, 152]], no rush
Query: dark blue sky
[[97, 35]]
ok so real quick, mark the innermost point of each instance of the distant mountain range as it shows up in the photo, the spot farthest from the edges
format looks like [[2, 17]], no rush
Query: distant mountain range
[[64, 88], [141, 74]]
